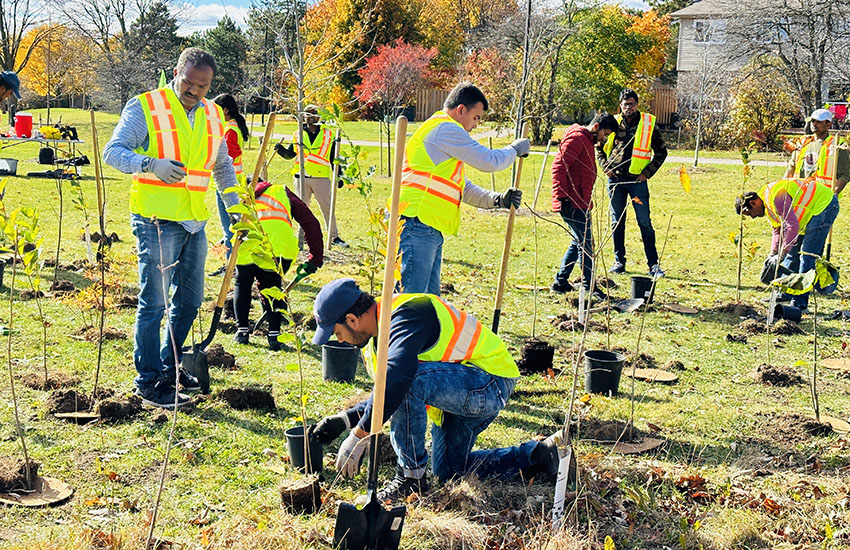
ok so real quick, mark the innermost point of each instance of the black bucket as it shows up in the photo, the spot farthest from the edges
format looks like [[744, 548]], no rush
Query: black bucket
[[295, 449], [339, 362], [602, 371], [642, 288], [789, 313]]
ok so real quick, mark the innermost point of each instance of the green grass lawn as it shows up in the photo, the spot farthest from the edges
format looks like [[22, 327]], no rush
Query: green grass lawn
[[221, 488]]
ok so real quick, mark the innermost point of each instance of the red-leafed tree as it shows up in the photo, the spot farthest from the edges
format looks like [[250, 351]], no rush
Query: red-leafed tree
[[390, 78]]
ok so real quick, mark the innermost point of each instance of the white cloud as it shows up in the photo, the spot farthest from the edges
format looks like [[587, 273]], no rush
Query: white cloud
[[206, 16]]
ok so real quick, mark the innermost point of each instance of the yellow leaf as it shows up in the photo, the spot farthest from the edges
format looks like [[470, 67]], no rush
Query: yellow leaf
[[609, 543], [800, 363], [685, 179]]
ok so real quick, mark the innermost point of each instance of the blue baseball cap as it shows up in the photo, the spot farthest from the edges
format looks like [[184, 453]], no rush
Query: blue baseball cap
[[332, 302], [12, 82]]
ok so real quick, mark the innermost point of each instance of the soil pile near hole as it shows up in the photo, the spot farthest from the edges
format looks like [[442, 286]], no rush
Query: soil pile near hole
[[782, 377], [674, 365], [785, 327], [29, 294], [536, 357], [751, 326], [55, 380], [356, 400], [92, 334], [736, 309], [66, 401], [218, 357], [302, 496], [607, 430], [565, 322], [96, 238], [736, 338], [642, 361], [63, 287], [605, 282], [128, 300], [120, 408], [311, 323], [13, 473], [791, 428], [447, 288], [248, 398]]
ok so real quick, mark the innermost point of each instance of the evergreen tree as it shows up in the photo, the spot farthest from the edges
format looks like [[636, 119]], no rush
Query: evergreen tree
[[153, 36], [227, 43]]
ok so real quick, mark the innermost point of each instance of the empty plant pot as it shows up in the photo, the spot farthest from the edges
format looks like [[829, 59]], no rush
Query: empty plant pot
[[642, 288], [295, 449], [339, 362], [602, 369], [789, 313]]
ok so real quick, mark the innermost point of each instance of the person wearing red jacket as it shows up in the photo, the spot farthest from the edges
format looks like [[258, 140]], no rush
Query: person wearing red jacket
[[573, 176]]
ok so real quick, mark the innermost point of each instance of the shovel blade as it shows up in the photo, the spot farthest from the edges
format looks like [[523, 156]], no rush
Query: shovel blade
[[628, 306], [195, 361], [373, 527]]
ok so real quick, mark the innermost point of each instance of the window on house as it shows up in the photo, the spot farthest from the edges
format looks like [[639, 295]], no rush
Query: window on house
[[709, 31], [776, 31]]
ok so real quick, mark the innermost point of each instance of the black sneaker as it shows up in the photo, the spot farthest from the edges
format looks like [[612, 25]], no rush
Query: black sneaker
[[561, 288], [219, 272], [277, 345], [402, 487], [339, 242], [188, 382], [599, 296], [618, 267], [241, 337], [161, 395]]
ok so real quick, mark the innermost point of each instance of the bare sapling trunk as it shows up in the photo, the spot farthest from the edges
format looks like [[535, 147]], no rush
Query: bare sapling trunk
[[18, 427]]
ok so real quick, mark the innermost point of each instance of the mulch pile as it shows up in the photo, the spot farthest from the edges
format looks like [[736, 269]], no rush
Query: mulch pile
[[35, 380], [13, 473], [782, 377], [248, 398]]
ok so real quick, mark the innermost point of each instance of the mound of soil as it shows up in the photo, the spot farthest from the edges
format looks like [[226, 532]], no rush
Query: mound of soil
[[791, 428], [302, 496], [751, 326], [96, 238], [356, 400], [782, 377], [227, 326], [735, 308], [605, 282], [447, 288], [218, 357], [536, 357], [66, 401], [786, 328], [311, 323], [13, 473], [607, 430], [35, 380], [128, 300], [563, 321], [60, 287], [248, 398], [29, 294], [91, 334], [674, 364], [120, 408], [736, 338], [642, 361]]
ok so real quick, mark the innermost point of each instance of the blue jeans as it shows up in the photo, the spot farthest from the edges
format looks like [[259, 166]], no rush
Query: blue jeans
[[185, 281], [817, 230], [579, 223], [421, 249], [225, 222], [621, 194], [470, 399]]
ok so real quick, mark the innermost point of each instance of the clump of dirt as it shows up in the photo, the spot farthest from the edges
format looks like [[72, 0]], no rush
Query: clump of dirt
[[311, 323], [96, 238], [674, 364], [248, 398], [564, 322], [608, 430], [218, 357], [785, 327], [66, 401], [781, 377], [751, 326], [735, 308], [128, 300], [29, 294], [605, 282], [63, 287], [92, 334], [120, 408], [447, 288], [791, 428], [642, 361], [13, 473], [736, 338], [537, 356], [302, 496], [35, 380]]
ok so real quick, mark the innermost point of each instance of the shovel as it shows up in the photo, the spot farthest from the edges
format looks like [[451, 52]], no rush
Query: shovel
[[374, 527], [623, 306]]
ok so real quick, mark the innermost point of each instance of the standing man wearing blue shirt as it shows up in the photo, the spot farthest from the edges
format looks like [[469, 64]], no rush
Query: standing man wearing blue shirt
[[433, 184], [170, 140]]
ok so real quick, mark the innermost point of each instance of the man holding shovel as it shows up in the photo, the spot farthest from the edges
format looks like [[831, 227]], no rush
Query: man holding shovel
[[573, 176], [442, 365], [433, 184], [815, 155], [170, 140], [801, 213]]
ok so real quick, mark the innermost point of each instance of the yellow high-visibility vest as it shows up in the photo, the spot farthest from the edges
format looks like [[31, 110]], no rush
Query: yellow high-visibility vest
[[317, 154], [237, 162], [463, 339], [810, 198], [642, 146], [273, 209], [171, 137], [823, 172], [431, 192]]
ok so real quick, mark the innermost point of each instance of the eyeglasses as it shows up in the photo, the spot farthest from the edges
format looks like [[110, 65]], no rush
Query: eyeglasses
[[628, 103]]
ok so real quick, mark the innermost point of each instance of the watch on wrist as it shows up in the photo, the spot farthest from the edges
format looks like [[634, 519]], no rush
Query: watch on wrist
[[145, 163]]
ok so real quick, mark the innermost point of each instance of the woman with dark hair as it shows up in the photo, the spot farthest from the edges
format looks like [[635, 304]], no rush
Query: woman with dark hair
[[235, 135]]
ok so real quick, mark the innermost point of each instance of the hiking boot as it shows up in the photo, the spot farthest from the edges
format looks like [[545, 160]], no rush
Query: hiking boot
[[618, 268], [339, 242], [241, 337], [656, 272], [219, 272], [402, 487], [161, 395], [561, 288]]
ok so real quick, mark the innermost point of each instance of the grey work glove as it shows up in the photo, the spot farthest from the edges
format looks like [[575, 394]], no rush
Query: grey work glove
[[330, 427], [350, 455], [511, 197], [169, 171], [522, 147]]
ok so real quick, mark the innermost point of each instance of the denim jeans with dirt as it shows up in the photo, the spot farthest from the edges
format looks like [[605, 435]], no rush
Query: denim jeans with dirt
[[470, 399]]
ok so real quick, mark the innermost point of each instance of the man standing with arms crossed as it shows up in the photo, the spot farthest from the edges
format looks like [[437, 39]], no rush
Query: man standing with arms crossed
[[631, 156], [170, 140], [433, 184]]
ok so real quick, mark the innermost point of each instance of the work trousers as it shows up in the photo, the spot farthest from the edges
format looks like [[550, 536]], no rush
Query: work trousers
[[321, 188]]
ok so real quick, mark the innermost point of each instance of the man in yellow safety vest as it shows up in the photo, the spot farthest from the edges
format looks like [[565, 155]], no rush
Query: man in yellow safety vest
[[814, 157], [442, 365], [319, 153], [801, 213], [433, 184], [170, 140], [629, 157]]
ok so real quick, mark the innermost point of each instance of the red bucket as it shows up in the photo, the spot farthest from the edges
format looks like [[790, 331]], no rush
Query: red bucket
[[23, 125]]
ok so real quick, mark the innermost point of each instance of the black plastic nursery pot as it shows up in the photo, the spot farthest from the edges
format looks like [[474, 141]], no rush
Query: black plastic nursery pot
[[339, 362], [295, 450], [602, 369], [642, 288]]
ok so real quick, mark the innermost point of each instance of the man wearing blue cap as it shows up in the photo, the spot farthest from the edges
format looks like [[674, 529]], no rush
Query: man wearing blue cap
[[442, 365], [9, 84]]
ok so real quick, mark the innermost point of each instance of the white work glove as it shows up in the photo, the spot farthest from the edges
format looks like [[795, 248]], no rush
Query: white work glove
[[522, 147], [169, 171], [350, 454]]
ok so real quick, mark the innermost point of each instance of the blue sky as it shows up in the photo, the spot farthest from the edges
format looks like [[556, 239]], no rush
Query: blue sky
[[205, 14]]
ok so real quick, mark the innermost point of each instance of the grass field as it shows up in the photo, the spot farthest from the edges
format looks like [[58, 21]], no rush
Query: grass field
[[735, 470]]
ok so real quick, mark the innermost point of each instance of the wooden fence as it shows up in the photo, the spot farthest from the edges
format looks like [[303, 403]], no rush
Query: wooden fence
[[663, 104], [428, 102]]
